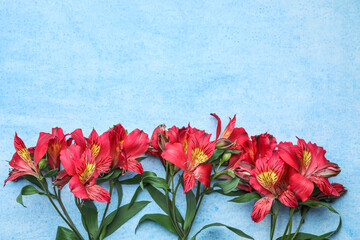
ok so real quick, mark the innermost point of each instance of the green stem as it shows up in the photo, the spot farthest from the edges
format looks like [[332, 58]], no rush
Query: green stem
[[58, 211], [289, 224], [172, 217], [274, 218], [300, 224], [290, 221], [196, 211], [106, 209], [198, 192], [78, 204], [174, 206]]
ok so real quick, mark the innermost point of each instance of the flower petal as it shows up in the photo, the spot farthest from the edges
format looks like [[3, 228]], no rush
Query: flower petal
[[301, 186], [132, 165], [288, 198], [218, 129], [229, 128], [77, 188], [69, 158], [202, 173], [175, 154], [98, 193], [287, 153], [261, 208], [239, 136], [14, 174], [189, 181], [324, 185], [136, 143], [58, 132], [78, 137], [41, 146]]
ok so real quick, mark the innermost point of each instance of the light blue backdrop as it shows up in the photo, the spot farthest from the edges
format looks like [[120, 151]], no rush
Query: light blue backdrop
[[290, 68]]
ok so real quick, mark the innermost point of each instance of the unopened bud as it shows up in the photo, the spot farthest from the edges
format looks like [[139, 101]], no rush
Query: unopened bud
[[161, 141], [223, 143], [225, 157], [329, 170], [43, 164]]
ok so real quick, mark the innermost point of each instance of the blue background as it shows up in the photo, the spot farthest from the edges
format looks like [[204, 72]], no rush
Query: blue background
[[290, 68]]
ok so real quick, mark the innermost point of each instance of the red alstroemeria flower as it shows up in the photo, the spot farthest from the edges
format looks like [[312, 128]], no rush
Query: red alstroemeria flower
[[192, 159], [22, 161], [125, 148], [55, 145], [311, 166], [231, 137], [243, 163], [157, 142], [82, 168], [269, 178], [340, 189], [99, 146]]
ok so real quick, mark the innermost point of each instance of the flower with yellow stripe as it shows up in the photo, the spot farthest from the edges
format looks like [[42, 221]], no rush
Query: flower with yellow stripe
[[269, 178], [81, 166], [192, 158], [311, 168], [25, 161]]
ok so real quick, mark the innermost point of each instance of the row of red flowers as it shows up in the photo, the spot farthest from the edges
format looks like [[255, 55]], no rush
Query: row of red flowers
[[259, 166]]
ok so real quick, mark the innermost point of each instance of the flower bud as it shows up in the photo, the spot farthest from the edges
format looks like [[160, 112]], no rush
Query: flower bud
[[223, 143], [61, 179], [225, 174], [225, 157], [329, 170], [43, 164], [243, 170], [161, 141]]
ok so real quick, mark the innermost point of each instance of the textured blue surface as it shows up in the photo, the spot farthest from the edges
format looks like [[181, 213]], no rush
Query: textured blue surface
[[290, 68]]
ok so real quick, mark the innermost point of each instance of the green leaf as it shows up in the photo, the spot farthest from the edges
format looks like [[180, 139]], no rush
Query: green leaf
[[313, 203], [136, 179], [34, 180], [228, 185], [51, 173], [161, 201], [90, 218], [119, 191], [235, 230], [246, 198], [27, 190], [216, 155], [163, 220], [154, 180], [133, 199], [65, 234], [190, 208], [122, 215]]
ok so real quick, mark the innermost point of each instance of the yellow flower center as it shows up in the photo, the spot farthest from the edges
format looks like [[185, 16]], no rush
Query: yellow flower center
[[267, 179], [95, 149], [185, 145], [88, 171], [198, 156], [306, 158]]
